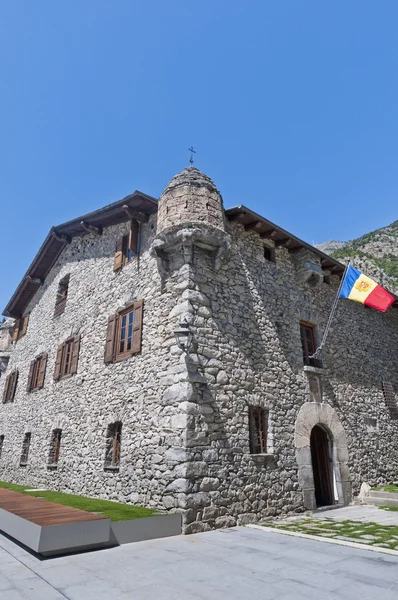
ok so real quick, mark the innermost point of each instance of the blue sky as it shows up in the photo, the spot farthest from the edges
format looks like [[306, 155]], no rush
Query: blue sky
[[291, 106]]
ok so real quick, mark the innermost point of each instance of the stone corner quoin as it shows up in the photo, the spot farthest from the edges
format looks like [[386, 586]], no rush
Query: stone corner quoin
[[192, 410]]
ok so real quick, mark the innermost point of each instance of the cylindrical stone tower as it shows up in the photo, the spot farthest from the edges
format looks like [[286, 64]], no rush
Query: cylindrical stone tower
[[190, 198]]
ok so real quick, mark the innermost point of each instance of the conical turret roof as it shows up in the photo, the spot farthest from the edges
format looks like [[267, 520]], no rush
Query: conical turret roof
[[191, 176]]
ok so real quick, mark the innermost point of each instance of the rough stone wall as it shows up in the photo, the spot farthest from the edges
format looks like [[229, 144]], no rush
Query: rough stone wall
[[84, 404], [190, 197], [247, 351], [185, 437]]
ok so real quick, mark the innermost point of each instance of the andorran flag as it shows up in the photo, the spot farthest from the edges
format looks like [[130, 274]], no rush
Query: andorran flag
[[357, 286]]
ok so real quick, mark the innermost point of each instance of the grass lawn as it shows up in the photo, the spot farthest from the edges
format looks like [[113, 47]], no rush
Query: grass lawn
[[392, 487], [373, 534], [113, 510]]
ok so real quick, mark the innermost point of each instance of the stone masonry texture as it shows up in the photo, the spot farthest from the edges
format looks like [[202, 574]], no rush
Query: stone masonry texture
[[185, 435]]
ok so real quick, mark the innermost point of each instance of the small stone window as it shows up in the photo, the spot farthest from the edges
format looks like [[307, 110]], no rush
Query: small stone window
[[67, 358], [370, 424], [258, 426], [20, 327], [1, 444], [269, 253], [37, 373], [62, 294], [55, 447], [113, 446], [308, 343], [25, 449], [390, 399], [124, 332], [127, 247], [10, 385]]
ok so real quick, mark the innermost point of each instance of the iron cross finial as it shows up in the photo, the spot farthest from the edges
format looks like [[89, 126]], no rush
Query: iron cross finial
[[192, 151]]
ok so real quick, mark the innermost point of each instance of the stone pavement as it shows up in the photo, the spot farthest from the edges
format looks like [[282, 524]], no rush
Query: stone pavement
[[366, 513], [229, 564]]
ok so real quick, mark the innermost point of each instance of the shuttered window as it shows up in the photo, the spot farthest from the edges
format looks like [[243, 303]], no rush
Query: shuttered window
[[124, 333], [113, 445], [1, 444], [10, 385], [67, 358], [258, 426], [25, 449], [308, 343], [127, 246], [20, 328], [55, 447], [37, 372], [62, 294]]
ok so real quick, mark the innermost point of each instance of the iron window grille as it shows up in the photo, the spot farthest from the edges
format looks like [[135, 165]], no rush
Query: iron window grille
[[258, 426], [390, 399], [55, 447], [113, 445], [25, 449]]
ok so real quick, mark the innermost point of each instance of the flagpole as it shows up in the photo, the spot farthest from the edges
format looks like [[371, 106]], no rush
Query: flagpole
[[318, 351]]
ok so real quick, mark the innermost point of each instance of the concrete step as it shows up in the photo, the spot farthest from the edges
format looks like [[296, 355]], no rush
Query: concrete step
[[391, 495], [381, 501]]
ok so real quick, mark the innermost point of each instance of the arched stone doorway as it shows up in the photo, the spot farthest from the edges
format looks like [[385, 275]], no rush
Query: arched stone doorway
[[333, 437]]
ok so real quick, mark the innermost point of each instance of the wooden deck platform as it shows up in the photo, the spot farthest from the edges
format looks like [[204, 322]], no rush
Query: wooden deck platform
[[42, 512], [49, 528]]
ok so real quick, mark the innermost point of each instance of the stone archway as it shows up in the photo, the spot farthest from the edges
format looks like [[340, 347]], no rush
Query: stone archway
[[310, 415]]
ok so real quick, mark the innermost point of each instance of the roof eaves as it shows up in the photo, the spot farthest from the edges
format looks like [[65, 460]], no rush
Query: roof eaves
[[107, 208], [243, 209], [9, 310]]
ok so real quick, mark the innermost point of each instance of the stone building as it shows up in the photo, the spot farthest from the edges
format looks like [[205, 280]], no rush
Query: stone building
[[162, 356], [6, 331]]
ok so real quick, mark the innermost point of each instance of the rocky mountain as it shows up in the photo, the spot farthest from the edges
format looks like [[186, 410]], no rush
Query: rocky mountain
[[330, 246], [375, 253]]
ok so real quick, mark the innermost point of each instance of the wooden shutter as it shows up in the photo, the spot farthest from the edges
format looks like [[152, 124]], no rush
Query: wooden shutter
[[58, 361], [133, 240], [16, 330], [30, 378], [42, 370], [137, 326], [25, 322], [118, 261], [13, 386], [110, 339], [75, 355], [6, 388]]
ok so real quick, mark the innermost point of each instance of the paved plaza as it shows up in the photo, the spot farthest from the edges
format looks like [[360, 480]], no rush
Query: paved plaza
[[230, 564], [368, 514]]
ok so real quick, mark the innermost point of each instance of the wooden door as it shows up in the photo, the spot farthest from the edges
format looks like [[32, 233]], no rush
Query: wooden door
[[321, 466]]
